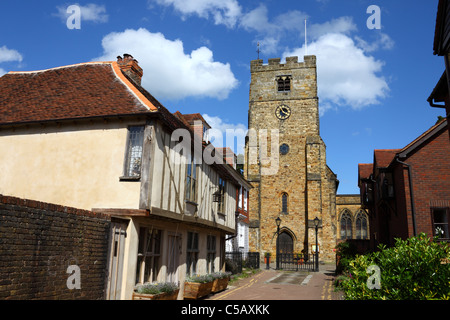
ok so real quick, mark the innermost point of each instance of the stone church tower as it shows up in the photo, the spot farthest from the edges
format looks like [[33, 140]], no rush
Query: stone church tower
[[286, 160]]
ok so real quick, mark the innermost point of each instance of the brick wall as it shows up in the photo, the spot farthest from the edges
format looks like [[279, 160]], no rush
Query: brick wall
[[38, 243], [431, 181]]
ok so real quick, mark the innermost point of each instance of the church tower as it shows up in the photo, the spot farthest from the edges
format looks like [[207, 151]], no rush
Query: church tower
[[286, 160]]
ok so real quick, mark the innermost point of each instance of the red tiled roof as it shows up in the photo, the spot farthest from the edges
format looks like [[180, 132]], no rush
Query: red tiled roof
[[86, 90], [365, 170], [78, 91], [383, 158]]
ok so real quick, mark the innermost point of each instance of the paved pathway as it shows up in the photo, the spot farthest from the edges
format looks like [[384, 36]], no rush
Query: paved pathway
[[283, 285]]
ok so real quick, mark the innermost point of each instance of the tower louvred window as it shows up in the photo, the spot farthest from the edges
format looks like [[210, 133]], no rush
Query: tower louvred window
[[284, 83]]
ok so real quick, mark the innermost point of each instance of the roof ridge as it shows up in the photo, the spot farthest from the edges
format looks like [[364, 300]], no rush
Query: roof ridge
[[423, 135], [61, 67]]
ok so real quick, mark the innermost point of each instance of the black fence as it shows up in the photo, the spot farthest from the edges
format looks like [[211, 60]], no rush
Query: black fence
[[235, 261], [296, 262]]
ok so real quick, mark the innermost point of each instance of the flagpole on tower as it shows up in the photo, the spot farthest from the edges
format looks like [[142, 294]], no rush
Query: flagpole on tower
[[306, 41]]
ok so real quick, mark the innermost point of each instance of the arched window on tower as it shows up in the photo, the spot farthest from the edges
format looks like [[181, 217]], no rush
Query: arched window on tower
[[346, 225], [284, 83], [361, 226], [284, 203]]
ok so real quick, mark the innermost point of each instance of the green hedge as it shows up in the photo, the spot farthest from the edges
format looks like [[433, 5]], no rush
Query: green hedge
[[414, 269]]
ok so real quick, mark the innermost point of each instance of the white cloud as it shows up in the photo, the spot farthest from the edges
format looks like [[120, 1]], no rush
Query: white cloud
[[219, 129], [346, 75], [343, 25], [269, 32], [90, 12], [169, 72], [383, 41], [9, 55], [224, 12]]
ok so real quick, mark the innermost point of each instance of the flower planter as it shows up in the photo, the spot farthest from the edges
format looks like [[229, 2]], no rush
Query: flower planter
[[194, 290], [159, 296], [220, 285]]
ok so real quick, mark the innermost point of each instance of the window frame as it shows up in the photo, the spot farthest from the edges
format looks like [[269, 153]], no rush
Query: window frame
[[149, 254], [191, 175], [361, 232], [222, 185], [192, 252], [349, 222], [285, 203], [445, 225], [138, 142], [284, 84], [211, 245]]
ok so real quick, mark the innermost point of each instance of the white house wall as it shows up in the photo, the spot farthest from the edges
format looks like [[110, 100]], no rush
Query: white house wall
[[76, 165]]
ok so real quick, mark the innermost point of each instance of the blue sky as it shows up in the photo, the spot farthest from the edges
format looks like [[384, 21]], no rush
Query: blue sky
[[373, 83]]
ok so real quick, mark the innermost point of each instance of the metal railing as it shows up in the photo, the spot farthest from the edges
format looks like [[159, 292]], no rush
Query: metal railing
[[297, 262]]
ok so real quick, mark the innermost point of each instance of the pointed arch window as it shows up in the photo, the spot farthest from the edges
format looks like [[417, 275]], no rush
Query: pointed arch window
[[284, 203], [346, 226], [361, 226]]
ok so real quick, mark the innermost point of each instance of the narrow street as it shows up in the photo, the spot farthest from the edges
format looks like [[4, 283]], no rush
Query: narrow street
[[283, 285]]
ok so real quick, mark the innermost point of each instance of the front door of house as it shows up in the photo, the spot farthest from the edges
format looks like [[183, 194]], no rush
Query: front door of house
[[117, 236]]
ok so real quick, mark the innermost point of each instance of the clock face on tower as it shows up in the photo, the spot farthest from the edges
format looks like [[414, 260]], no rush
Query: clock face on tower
[[283, 112]]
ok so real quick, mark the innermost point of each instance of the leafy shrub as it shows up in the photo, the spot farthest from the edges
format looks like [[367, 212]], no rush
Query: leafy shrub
[[345, 253], [415, 269]]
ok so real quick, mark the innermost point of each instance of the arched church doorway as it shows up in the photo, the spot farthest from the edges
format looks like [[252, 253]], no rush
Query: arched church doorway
[[285, 243]]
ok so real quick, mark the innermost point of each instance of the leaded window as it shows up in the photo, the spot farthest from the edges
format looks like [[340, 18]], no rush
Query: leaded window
[[211, 253], [346, 226], [191, 181], [284, 203], [192, 253], [149, 253], [222, 188], [133, 158], [361, 226]]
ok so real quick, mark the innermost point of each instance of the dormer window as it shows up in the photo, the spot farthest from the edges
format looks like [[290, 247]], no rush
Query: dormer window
[[284, 83]]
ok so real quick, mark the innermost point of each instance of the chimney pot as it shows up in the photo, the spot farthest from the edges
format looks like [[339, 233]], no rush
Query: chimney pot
[[131, 68]]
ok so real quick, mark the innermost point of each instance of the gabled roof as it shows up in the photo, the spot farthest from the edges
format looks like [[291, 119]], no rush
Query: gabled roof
[[383, 158], [423, 138], [365, 170], [82, 91], [86, 90], [191, 118]]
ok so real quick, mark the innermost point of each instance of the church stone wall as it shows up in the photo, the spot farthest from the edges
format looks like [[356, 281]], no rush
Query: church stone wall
[[302, 173]]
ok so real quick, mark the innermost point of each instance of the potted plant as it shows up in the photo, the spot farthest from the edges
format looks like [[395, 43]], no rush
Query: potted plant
[[220, 281], [300, 258], [156, 291], [198, 286]]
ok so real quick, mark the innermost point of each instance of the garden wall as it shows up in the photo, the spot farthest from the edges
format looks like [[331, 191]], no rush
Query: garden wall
[[51, 252]]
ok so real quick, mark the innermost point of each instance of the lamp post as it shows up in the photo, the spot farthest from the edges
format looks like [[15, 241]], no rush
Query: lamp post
[[278, 222], [316, 225]]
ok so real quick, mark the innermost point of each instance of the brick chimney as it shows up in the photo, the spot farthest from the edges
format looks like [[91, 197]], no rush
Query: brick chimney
[[131, 68]]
